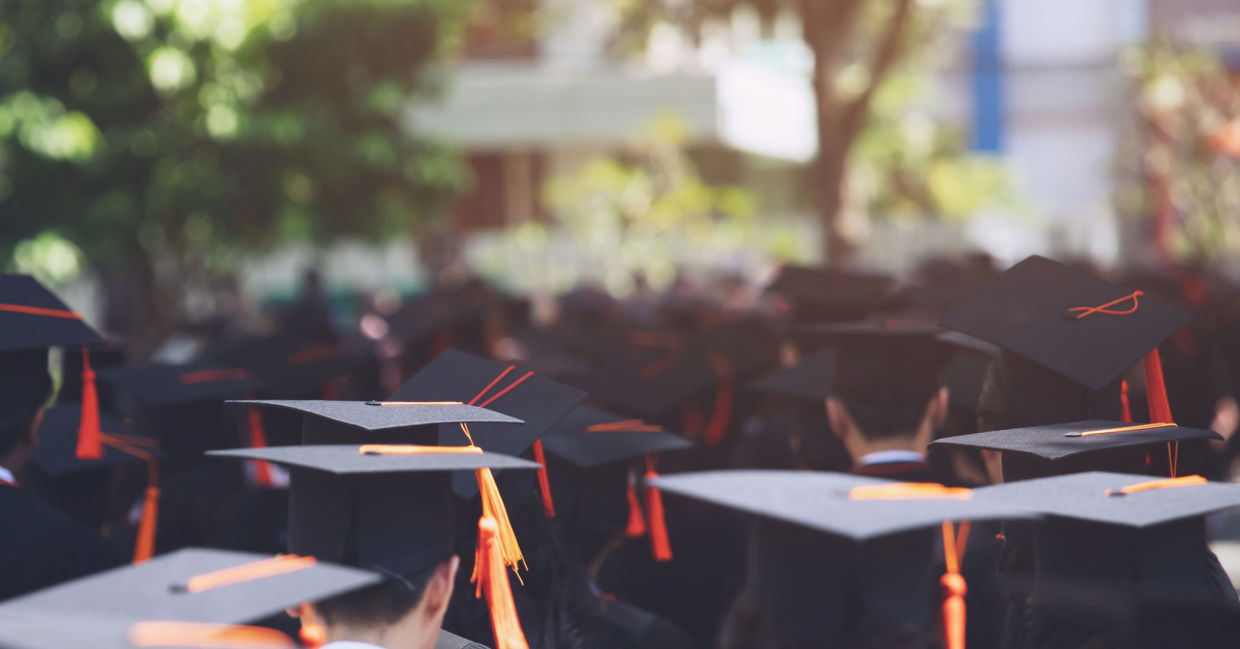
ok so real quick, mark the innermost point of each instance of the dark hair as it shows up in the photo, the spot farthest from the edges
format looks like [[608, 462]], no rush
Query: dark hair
[[887, 416], [13, 431], [383, 604]]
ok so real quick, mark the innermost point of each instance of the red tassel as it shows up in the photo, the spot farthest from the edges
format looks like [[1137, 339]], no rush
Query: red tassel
[[659, 542], [258, 439], [1126, 415], [721, 413], [144, 548], [954, 590], [544, 485], [637, 523], [491, 579], [1156, 389], [691, 422], [89, 446]]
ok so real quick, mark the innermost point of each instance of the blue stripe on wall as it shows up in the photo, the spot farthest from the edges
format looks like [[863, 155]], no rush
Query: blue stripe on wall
[[988, 82]]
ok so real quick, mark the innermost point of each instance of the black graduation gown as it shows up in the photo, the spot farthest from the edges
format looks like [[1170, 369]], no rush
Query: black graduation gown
[[648, 630], [41, 547]]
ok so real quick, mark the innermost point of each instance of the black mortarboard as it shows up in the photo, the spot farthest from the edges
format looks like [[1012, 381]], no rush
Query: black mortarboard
[[58, 436], [834, 553], [290, 365], [32, 319], [196, 585], [61, 629], [391, 508], [174, 385], [832, 294], [1066, 319], [1134, 537], [1052, 449], [537, 401], [811, 379], [371, 422], [588, 437]]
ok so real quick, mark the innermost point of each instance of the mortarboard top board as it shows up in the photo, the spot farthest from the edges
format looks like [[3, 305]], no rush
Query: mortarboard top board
[[197, 585], [588, 437], [58, 438], [811, 379], [821, 501], [1039, 451], [174, 385], [1066, 319], [32, 317], [351, 459], [61, 629], [356, 422], [1110, 498], [290, 364]]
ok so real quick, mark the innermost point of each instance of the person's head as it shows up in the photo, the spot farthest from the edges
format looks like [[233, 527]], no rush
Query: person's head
[[399, 613], [24, 389], [862, 425]]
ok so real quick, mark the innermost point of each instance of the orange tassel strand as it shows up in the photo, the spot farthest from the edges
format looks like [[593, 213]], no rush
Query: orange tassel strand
[[637, 521], [1126, 414], [89, 446], [258, 439], [544, 484], [311, 635], [659, 541], [491, 580], [954, 586]]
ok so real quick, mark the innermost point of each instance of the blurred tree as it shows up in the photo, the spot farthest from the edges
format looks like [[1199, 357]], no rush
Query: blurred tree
[[857, 47], [1179, 167], [162, 136]]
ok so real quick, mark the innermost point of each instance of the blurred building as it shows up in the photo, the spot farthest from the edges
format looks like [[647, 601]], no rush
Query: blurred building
[[1038, 83]]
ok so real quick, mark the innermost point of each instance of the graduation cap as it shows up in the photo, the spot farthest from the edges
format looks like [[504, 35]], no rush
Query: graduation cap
[[885, 370], [60, 629], [290, 365], [818, 535], [537, 401], [175, 385], [1074, 324], [588, 438], [1040, 451], [1130, 535], [826, 294], [195, 585], [811, 379], [32, 319], [389, 507]]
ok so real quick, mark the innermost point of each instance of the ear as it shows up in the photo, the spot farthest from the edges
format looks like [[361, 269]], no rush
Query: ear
[[938, 407], [438, 592], [838, 417]]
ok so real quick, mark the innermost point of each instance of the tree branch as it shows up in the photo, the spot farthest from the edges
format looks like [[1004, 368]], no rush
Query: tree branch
[[885, 55]]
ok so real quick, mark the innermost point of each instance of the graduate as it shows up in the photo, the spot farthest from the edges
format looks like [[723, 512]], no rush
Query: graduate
[[39, 545]]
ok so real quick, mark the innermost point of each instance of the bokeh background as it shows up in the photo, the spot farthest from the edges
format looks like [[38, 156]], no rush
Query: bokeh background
[[163, 162]]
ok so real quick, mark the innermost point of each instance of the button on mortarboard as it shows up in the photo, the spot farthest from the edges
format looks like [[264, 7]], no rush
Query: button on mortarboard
[[196, 585], [1066, 319]]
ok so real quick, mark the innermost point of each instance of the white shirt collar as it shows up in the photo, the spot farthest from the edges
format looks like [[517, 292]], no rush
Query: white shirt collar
[[891, 457], [7, 476]]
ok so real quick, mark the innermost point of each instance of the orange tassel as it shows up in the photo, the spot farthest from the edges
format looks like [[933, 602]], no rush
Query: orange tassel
[[544, 485], [491, 579], [258, 439], [89, 446], [311, 635], [1126, 415], [1156, 389], [144, 548], [659, 541], [637, 523], [954, 586], [721, 411]]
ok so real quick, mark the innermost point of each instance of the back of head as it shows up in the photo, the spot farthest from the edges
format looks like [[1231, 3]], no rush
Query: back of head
[[886, 381], [24, 388], [1018, 393]]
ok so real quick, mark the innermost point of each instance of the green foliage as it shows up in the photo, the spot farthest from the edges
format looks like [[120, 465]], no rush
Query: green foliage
[[1181, 162], [648, 212], [183, 129]]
